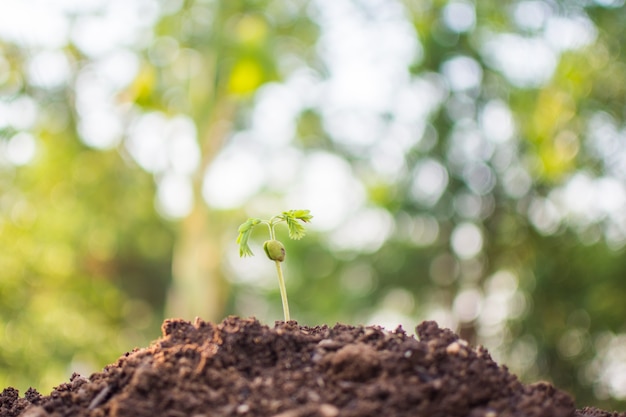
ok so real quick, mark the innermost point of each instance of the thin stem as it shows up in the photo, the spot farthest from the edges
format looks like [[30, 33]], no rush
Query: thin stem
[[283, 290], [271, 227]]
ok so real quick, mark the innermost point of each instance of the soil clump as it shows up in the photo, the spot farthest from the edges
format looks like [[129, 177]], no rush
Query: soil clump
[[241, 368]]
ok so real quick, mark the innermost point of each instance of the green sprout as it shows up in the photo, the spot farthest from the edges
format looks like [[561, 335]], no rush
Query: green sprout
[[273, 248]]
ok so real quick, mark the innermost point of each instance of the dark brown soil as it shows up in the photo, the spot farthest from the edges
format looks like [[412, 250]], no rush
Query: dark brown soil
[[245, 369]]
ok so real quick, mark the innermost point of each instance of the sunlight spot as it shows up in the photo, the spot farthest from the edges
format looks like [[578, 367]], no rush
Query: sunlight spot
[[234, 177], [467, 145], [459, 16], [92, 90], [544, 216], [354, 128], [531, 15], [523, 353], [502, 284], [326, 186], [572, 343], [585, 203], [466, 240], [496, 121], [119, 68], [565, 34], [100, 129], [420, 98], [525, 62], [49, 69], [479, 178], [610, 195], [576, 199], [282, 168], [467, 305], [183, 150], [430, 180], [146, 142], [463, 73], [20, 149], [33, 24], [400, 300], [608, 368], [114, 24], [607, 143], [22, 113], [274, 113], [367, 55], [516, 181], [365, 231], [387, 157], [174, 195], [254, 271], [158, 143], [424, 230]]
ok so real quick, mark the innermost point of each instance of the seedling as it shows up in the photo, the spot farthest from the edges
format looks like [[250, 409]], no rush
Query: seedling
[[273, 248]]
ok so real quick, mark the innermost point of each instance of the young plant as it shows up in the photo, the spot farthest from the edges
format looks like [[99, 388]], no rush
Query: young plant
[[274, 249]]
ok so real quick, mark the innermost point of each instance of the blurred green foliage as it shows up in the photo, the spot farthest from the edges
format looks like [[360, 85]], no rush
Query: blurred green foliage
[[490, 195]]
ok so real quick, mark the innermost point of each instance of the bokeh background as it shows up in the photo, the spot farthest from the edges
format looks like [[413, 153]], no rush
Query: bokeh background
[[465, 162]]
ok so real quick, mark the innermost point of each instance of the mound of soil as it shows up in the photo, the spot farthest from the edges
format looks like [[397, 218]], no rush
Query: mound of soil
[[242, 368]]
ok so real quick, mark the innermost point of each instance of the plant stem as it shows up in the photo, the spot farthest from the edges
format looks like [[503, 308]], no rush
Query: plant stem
[[283, 290]]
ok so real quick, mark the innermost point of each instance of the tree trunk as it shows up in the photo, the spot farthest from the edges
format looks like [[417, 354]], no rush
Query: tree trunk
[[198, 287]]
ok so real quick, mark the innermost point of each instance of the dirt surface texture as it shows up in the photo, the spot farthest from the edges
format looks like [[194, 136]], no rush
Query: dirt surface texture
[[242, 368]]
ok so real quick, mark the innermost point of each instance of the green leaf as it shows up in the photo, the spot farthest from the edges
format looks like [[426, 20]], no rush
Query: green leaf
[[244, 235], [303, 215], [296, 230]]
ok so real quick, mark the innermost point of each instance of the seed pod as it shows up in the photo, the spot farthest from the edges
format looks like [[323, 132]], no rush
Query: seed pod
[[274, 250]]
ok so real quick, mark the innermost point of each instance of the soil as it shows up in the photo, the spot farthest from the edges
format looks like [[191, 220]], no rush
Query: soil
[[242, 368]]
